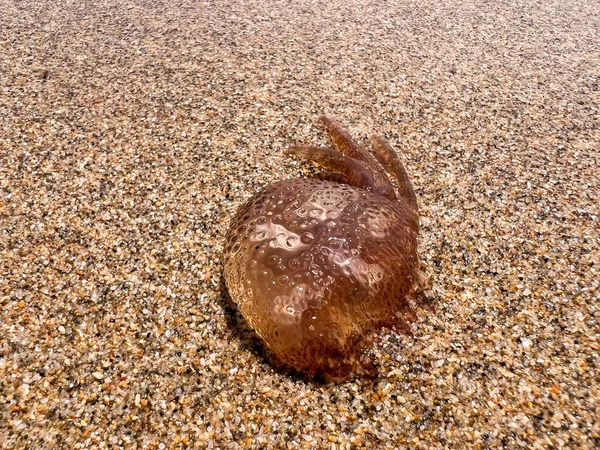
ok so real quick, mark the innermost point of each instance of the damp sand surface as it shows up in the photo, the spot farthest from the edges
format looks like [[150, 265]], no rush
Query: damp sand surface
[[130, 132]]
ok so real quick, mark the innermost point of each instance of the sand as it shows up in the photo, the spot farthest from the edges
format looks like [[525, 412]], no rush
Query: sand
[[130, 132]]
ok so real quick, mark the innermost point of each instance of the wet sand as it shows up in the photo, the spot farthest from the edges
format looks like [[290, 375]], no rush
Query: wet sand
[[130, 132]]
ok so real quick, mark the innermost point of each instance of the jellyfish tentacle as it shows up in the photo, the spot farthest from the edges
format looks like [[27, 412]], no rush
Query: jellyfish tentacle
[[388, 158], [355, 172], [332, 176], [400, 325], [342, 141], [407, 313]]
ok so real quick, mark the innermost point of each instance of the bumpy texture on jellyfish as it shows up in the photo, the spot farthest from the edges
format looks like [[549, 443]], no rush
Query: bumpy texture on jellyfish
[[318, 265]]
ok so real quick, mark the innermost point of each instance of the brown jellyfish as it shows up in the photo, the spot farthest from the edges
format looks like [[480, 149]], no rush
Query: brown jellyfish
[[316, 266]]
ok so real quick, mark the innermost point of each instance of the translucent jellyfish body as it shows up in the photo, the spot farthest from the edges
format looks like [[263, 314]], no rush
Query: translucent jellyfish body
[[317, 265]]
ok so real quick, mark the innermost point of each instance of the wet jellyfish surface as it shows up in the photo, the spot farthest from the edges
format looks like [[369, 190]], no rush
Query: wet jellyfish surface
[[316, 266]]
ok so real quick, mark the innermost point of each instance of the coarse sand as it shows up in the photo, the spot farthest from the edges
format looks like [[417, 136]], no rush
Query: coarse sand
[[131, 131]]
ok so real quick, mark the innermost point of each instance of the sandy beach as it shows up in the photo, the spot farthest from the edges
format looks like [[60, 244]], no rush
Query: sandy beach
[[130, 133]]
